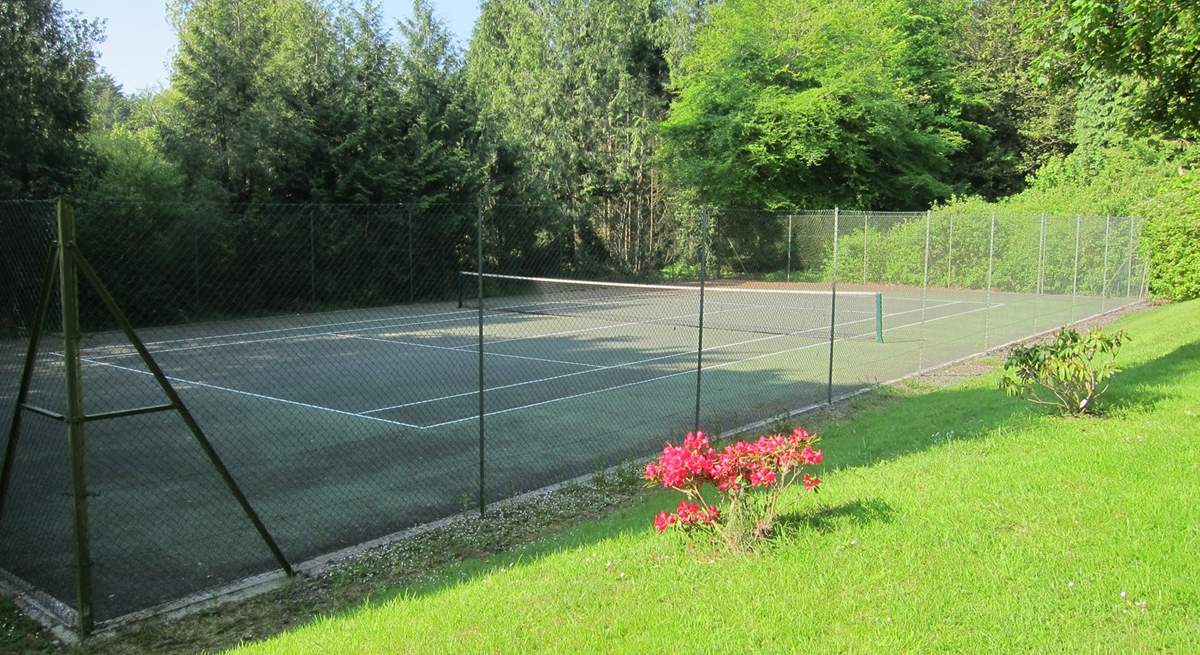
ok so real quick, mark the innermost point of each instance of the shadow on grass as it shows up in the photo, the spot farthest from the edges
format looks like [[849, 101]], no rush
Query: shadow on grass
[[829, 518], [1139, 388]]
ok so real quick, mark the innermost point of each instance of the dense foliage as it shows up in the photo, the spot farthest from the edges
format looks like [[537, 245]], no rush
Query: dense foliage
[[611, 121], [1172, 238], [803, 104], [46, 59], [1156, 42]]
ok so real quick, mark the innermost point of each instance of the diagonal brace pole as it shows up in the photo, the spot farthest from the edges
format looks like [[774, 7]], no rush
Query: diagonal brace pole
[[101, 290], [35, 333]]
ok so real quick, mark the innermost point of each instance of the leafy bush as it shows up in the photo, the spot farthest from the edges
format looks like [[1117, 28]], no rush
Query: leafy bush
[[1172, 237], [749, 477], [1069, 373]]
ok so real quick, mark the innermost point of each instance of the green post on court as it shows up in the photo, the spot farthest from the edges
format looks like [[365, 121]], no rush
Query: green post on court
[[879, 318]]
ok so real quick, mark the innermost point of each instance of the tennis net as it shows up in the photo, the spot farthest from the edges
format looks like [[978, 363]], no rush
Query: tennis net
[[854, 315]]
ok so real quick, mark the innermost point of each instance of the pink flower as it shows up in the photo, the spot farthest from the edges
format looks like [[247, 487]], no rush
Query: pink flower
[[653, 471], [762, 477], [762, 466], [663, 521]]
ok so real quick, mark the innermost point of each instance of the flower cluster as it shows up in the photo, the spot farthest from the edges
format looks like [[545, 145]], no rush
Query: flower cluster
[[766, 466]]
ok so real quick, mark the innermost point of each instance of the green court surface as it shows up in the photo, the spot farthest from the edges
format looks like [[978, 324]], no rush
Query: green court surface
[[343, 427]]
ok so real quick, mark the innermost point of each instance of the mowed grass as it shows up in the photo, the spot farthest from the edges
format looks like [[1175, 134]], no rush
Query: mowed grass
[[952, 520]]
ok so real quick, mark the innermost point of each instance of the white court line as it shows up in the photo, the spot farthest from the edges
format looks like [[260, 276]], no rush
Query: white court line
[[303, 327], [691, 372], [365, 415], [466, 314], [297, 337], [251, 394], [687, 353], [456, 350], [496, 342]]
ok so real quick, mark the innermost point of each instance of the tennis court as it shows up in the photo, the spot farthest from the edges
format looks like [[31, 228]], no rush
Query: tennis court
[[381, 409], [346, 425]]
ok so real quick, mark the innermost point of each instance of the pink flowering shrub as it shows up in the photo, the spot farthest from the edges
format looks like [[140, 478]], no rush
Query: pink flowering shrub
[[749, 477]]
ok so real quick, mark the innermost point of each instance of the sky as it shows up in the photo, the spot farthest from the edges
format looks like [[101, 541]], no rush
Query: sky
[[139, 43]]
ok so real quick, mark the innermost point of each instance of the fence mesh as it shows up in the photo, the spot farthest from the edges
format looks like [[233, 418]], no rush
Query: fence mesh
[[361, 369]]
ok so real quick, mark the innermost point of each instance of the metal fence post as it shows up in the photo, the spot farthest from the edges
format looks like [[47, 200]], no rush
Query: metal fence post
[[412, 275], [833, 304], [703, 255], [73, 414], [865, 246], [196, 267], [479, 298], [1104, 273], [789, 249], [924, 291], [1129, 266], [312, 260], [950, 255], [987, 312], [1041, 255], [1075, 278], [1144, 291]]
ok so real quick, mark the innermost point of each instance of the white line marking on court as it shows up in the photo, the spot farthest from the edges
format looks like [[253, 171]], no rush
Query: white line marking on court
[[687, 353], [296, 337], [466, 314], [610, 326], [457, 350], [250, 394], [689, 372], [366, 414], [308, 327]]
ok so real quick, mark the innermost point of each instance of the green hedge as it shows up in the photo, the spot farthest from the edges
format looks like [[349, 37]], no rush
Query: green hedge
[[959, 246], [1172, 237]]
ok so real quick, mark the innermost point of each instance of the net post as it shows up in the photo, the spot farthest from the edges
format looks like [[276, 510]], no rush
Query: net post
[[479, 293], [1104, 274], [35, 334], [987, 312], [460, 283], [704, 220], [878, 317], [833, 307], [1075, 277], [73, 414]]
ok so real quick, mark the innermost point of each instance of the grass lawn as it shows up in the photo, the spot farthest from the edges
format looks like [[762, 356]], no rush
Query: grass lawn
[[954, 520]]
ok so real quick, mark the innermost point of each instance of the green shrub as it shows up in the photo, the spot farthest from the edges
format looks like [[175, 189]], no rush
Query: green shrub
[[1068, 373]]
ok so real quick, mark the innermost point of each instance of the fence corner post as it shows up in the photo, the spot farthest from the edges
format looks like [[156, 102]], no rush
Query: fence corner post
[[73, 414]]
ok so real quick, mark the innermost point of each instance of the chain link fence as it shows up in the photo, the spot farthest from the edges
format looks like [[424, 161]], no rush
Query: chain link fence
[[361, 369]]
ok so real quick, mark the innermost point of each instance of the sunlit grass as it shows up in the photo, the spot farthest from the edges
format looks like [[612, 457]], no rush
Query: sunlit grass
[[957, 520]]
